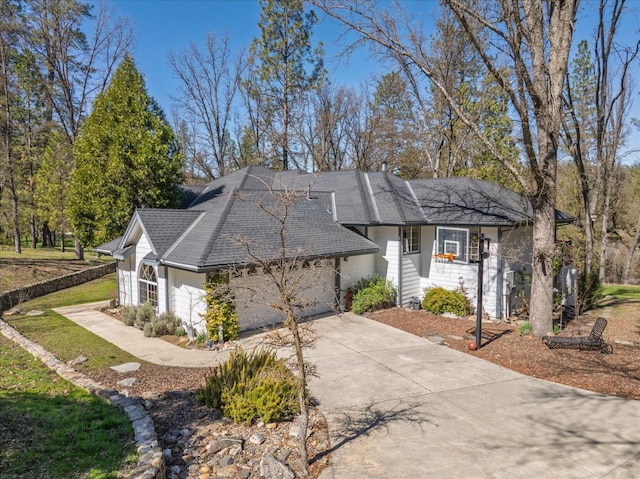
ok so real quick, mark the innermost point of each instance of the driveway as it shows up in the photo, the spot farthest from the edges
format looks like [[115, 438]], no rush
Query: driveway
[[400, 406]]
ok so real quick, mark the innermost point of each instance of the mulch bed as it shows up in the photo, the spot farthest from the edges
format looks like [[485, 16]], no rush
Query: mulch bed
[[616, 374]]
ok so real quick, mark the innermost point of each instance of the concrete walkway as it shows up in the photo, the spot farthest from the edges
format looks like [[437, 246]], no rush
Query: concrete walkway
[[399, 406]]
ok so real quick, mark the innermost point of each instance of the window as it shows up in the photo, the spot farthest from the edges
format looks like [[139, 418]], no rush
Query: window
[[148, 285], [411, 239], [453, 241]]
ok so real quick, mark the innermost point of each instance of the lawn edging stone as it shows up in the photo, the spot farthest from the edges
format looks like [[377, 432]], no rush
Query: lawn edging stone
[[151, 463]]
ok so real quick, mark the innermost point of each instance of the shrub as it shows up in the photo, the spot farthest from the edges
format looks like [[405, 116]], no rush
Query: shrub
[[250, 386], [373, 293], [439, 300], [129, 315], [525, 328], [221, 311], [589, 292], [145, 313]]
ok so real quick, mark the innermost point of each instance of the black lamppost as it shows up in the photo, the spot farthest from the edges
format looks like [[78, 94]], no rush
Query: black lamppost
[[482, 255]]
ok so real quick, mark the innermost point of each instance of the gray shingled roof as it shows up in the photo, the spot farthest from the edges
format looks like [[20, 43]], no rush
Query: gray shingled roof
[[230, 213]]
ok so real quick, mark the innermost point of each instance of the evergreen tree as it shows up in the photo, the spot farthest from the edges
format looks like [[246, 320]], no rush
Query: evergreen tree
[[284, 53], [126, 157]]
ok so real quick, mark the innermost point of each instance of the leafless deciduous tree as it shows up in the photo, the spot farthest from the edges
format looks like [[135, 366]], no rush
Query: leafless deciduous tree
[[290, 275], [524, 46], [210, 80]]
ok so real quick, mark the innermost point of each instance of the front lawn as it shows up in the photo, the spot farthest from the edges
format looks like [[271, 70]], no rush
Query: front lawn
[[49, 427]]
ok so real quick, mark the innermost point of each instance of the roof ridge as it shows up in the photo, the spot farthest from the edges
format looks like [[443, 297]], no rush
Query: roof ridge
[[184, 233], [217, 229], [394, 196]]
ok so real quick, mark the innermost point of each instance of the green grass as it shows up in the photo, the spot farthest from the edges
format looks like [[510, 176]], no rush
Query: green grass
[[621, 291], [64, 338], [51, 428]]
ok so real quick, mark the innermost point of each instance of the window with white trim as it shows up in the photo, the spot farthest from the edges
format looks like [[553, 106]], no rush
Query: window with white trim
[[148, 285], [410, 239], [454, 241]]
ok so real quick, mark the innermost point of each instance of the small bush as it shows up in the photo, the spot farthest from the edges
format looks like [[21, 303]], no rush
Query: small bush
[[129, 315], [250, 386], [145, 313], [221, 311], [526, 328], [589, 292], [373, 293], [166, 323], [180, 332], [439, 300], [149, 330]]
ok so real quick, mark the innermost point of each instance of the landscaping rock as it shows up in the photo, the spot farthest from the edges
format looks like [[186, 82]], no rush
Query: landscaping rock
[[126, 367]]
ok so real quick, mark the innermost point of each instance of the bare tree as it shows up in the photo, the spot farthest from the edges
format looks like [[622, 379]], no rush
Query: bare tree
[[528, 49], [290, 272], [210, 82], [597, 102]]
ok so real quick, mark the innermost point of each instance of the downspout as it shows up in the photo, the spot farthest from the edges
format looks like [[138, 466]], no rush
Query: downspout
[[499, 276], [166, 289], [337, 288], [117, 281], [399, 298]]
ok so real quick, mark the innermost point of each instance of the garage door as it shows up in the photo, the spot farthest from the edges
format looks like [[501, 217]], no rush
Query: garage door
[[254, 292]]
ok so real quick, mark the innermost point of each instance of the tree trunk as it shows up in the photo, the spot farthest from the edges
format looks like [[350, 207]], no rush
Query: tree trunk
[[79, 250], [47, 238], [62, 246], [541, 309]]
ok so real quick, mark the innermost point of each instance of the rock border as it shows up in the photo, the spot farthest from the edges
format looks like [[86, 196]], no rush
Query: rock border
[[151, 462]]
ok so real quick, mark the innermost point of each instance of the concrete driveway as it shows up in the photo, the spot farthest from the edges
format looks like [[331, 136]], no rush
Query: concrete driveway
[[400, 406]]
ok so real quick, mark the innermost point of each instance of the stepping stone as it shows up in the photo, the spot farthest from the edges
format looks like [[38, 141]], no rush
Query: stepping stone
[[126, 367], [127, 382], [35, 312]]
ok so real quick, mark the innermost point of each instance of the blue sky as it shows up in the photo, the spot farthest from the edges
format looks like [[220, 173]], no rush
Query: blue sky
[[163, 25]]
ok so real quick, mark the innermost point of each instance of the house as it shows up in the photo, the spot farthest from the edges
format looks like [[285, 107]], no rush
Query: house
[[416, 233]]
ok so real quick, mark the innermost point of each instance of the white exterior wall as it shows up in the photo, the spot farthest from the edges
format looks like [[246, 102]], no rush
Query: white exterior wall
[[187, 297], [355, 268], [451, 275], [411, 280], [142, 249], [126, 280], [386, 261]]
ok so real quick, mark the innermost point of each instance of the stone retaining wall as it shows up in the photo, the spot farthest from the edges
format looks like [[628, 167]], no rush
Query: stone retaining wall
[[151, 463], [12, 298]]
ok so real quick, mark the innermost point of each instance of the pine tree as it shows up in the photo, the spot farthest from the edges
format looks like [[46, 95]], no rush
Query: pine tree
[[126, 157], [284, 53]]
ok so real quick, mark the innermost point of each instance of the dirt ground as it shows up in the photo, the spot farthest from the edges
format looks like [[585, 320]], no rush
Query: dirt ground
[[19, 272]]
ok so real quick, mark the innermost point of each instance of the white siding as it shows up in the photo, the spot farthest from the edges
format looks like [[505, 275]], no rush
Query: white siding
[[410, 277], [126, 280], [187, 297], [355, 268], [387, 260], [453, 275], [142, 249]]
